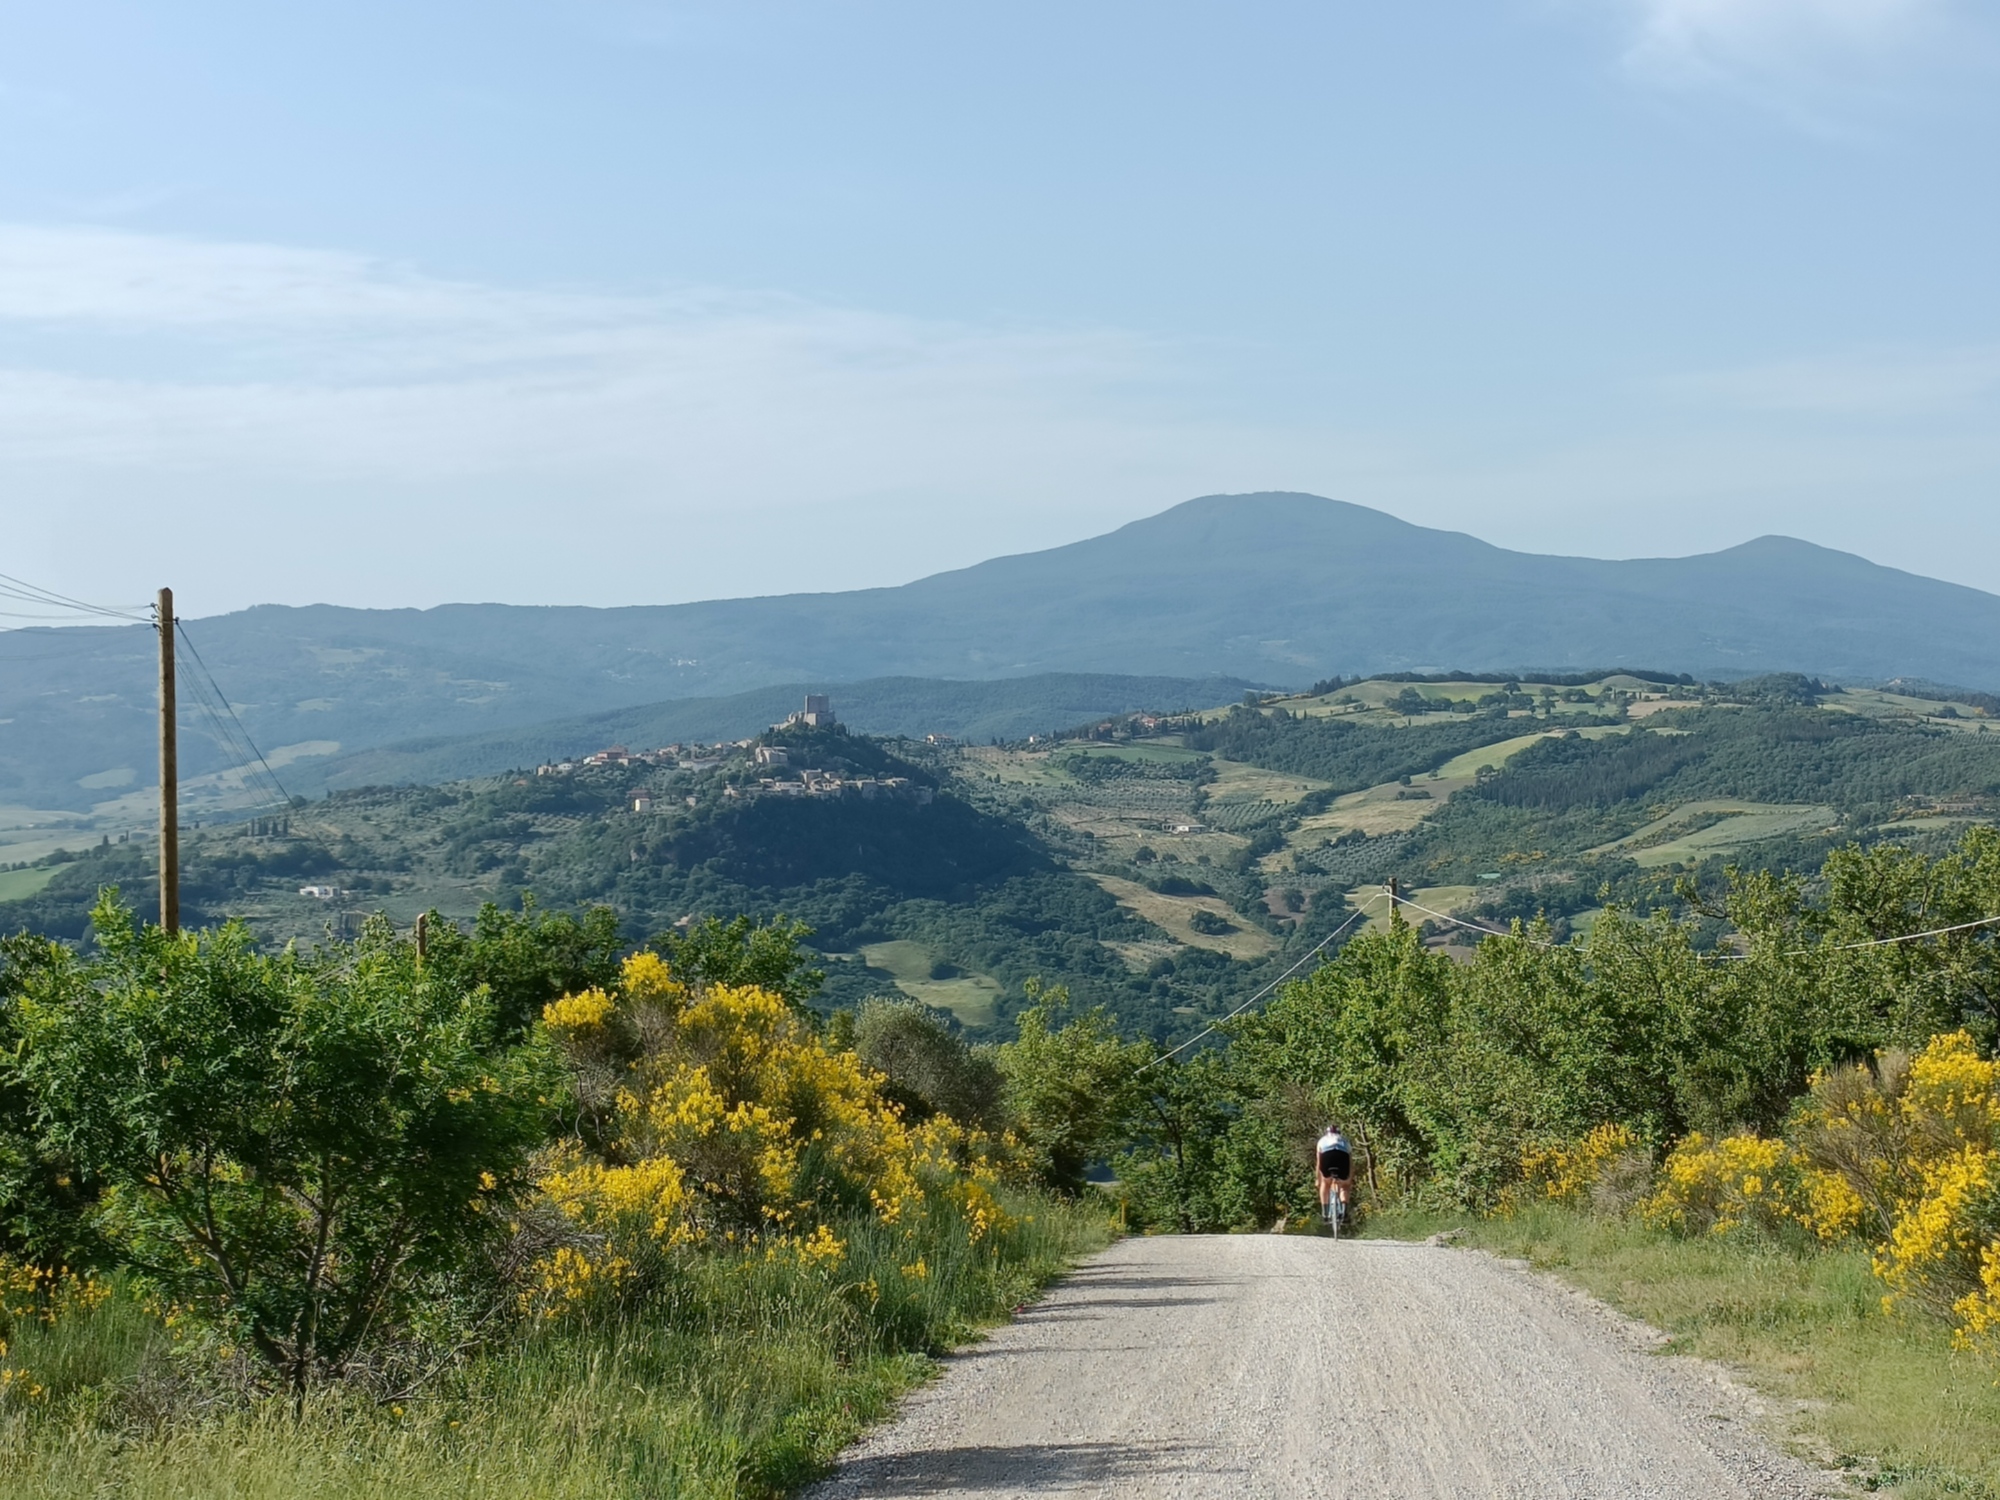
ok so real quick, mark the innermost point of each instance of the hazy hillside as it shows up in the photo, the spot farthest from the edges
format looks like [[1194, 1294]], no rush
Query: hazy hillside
[[1012, 708], [1274, 587]]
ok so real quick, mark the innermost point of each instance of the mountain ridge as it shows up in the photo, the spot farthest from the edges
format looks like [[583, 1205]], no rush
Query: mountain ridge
[[1275, 587]]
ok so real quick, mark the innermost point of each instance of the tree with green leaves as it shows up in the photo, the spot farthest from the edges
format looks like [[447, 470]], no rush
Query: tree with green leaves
[[1177, 1171], [287, 1144], [45, 1198], [770, 955], [528, 958], [930, 1070], [1070, 1084]]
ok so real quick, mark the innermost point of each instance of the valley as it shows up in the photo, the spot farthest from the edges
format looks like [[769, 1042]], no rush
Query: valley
[[1164, 863]]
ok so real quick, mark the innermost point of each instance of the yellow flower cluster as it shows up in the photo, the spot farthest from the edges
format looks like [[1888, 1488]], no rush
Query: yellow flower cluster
[[17, 1384], [1945, 1239], [569, 1276], [1953, 1093], [45, 1295], [1716, 1187], [1567, 1171], [648, 1198], [577, 1013], [730, 1122], [1908, 1150], [1978, 1312]]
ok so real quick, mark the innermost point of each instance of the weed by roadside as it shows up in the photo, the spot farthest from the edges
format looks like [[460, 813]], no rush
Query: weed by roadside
[[745, 1382]]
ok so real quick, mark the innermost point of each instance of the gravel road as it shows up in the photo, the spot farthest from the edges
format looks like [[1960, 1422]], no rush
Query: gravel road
[[1283, 1366]]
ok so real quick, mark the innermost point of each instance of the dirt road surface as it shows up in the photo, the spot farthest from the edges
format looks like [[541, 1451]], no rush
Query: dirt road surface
[[1276, 1366]]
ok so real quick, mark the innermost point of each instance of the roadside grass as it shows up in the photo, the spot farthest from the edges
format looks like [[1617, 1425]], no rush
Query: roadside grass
[[1884, 1397], [741, 1381]]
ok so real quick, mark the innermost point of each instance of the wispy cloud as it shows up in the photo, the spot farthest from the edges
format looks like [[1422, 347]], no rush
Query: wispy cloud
[[1888, 384], [1825, 65], [306, 359], [252, 422], [262, 378]]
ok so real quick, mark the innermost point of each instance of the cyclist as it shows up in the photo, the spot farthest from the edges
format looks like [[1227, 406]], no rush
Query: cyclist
[[1333, 1164]]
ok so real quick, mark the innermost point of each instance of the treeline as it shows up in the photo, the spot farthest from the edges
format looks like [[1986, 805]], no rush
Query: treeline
[[1470, 1084], [1565, 773], [1771, 754], [1551, 678]]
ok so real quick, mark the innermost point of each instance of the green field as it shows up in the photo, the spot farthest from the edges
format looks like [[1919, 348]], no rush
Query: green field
[[1439, 898], [16, 884], [970, 997], [1715, 826], [1173, 914]]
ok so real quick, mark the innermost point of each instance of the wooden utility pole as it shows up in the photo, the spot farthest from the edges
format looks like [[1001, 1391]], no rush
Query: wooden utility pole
[[170, 775]]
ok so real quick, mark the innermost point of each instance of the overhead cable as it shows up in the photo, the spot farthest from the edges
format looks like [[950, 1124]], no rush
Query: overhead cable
[[1907, 937], [242, 733], [1310, 954], [30, 593]]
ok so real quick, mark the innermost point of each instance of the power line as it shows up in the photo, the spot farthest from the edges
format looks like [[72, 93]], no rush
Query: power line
[[236, 738], [1310, 953], [1477, 927], [1907, 937], [31, 593], [242, 733]]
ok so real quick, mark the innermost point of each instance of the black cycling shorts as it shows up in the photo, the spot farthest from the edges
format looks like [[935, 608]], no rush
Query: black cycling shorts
[[1336, 1164]]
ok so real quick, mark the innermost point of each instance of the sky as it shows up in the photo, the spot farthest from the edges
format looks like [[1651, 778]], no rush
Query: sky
[[634, 301]]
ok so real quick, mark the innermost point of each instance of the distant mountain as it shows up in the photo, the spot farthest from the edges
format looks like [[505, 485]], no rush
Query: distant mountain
[[1281, 588]]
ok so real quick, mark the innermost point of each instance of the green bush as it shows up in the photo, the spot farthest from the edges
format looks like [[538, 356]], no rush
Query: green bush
[[930, 1071], [293, 1146]]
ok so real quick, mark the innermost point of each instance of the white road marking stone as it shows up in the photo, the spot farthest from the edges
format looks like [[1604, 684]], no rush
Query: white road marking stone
[[1225, 1367]]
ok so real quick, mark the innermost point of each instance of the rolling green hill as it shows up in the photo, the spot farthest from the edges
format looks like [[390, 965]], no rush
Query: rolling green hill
[[1164, 866]]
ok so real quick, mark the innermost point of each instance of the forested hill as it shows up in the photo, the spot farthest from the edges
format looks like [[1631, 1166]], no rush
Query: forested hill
[[1165, 866], [1282, 589]]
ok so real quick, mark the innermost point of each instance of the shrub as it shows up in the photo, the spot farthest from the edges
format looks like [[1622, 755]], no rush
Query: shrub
[[729, 1124], [1572, 1172], [290, 1147], [1741, 1182], [929, 1070], [1944, 1242], [1070, 1089]]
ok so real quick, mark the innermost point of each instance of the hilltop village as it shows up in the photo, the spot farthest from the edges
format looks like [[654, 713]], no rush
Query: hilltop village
[[790, 774]]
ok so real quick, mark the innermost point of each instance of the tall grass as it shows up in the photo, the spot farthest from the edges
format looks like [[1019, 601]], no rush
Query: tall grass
[[1883, 1396], [743, 1378]]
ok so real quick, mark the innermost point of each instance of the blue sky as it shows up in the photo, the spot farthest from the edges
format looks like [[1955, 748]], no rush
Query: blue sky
[[602, 302]]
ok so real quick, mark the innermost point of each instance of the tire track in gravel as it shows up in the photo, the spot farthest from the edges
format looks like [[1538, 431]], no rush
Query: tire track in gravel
[[1207, 1366]]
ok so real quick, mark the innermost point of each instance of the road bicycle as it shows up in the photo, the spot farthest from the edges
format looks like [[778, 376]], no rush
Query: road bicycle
[[1336, 1212]]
